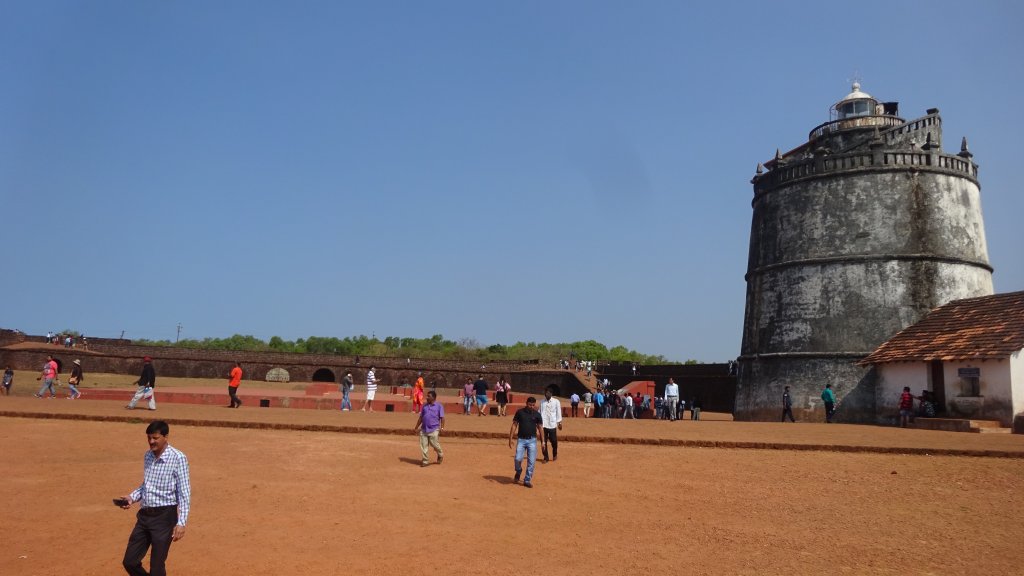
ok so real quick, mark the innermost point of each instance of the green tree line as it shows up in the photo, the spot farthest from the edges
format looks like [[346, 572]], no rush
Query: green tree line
[[435, 347]]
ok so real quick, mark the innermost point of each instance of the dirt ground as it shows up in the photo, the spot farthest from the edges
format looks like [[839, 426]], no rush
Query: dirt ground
[[323, 502]]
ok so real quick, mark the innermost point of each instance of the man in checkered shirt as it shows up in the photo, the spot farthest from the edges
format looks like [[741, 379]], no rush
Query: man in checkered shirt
[[165, 494]]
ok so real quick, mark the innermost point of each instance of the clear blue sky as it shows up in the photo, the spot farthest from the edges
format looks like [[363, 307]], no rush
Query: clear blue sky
[[504, 171]]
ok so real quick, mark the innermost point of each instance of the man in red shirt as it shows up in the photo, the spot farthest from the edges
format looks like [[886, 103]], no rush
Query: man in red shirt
[[236, 379]]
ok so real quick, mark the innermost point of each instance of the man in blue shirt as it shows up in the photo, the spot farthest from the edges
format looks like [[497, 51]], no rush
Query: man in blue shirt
[[599, 402], [165, 495], [429, 425]]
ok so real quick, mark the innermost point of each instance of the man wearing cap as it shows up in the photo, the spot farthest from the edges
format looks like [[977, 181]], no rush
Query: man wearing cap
[[146, 382]]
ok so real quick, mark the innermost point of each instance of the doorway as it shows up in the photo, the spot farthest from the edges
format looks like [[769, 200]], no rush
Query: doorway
[[938, 379]]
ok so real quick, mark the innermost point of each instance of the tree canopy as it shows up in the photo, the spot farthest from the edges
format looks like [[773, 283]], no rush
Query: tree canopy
[[435, 347]]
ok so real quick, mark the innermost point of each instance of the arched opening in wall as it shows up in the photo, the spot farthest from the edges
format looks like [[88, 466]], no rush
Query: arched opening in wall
[[556, 390], [323, 375], [60, 365], [405, 378], [278, 375]]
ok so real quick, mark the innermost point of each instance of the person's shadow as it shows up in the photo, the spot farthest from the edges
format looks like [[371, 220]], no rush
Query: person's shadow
[[405, 460], [498, 479]]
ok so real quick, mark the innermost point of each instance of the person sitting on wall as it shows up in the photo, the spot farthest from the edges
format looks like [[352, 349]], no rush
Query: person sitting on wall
[[927, 407]]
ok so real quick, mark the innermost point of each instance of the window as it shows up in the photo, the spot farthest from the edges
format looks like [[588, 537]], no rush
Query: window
[[856, 108], [970, 385]]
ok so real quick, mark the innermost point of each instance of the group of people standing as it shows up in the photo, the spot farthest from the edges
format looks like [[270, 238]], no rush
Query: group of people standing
[[474, 393], [606, 403], [66, 340], [828, 399]]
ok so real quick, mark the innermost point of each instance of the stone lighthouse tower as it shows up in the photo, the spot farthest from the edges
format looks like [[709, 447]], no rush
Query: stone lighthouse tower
[[856, 234]]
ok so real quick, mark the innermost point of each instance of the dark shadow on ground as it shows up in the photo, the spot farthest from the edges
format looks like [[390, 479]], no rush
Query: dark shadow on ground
[[499, 479]]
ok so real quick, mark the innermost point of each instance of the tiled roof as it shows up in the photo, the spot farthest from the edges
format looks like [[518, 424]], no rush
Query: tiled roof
[[987, 327]]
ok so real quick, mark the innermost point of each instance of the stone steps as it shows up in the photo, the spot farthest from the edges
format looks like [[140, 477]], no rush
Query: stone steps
[[961, 425], [991, 430], [988, 427]]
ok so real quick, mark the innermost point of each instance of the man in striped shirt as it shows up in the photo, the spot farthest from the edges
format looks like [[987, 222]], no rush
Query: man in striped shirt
[[371, 389], [165, 494]]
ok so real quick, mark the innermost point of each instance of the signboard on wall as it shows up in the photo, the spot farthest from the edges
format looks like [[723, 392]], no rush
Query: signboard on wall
[[968, 372]]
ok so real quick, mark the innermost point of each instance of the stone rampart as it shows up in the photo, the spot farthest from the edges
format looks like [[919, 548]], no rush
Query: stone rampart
[[121, 357]]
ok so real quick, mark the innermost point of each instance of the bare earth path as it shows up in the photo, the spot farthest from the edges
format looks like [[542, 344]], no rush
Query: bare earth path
[[323, 502]]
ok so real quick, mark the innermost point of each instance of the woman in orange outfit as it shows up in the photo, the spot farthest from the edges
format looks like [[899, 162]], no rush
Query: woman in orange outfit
[[417, 394]]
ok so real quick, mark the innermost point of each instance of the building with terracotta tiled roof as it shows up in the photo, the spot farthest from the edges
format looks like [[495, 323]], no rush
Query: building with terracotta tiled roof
[[969, 353]]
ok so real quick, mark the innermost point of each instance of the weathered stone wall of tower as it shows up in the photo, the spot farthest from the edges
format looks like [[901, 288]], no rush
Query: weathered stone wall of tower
[[846, 250]]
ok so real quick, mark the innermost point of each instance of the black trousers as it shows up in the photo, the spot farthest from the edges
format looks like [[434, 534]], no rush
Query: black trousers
[[551, 437], [153, 527], [787, 411], [830, 410], [575, 409], [233, 393]]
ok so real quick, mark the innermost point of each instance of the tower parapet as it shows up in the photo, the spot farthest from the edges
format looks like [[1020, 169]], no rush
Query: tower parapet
[[856, 234]]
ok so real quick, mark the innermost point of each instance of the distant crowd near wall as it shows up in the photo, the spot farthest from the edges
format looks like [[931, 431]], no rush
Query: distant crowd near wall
[[711, 382], [118, 356]]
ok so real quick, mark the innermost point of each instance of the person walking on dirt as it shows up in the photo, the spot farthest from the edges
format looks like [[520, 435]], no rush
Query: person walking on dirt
[[74, 380], [501, 390], [234, 380], [8, 380], [429, 424], [467, 397], [787, 406], [48, 376], [346, 389], [526, 427], [146, 383], [671, 398], [829, 398], [551, 419], [627, 406], [371, 389], [480, 389], [165, 496]]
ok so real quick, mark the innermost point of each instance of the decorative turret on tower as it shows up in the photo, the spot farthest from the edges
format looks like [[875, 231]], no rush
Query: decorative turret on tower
[[856, 234]]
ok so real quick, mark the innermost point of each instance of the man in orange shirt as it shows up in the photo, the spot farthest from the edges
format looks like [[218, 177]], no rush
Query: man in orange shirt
[[233, 382]]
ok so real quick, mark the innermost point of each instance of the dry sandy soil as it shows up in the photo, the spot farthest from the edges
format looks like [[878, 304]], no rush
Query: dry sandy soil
[[323, 502]]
